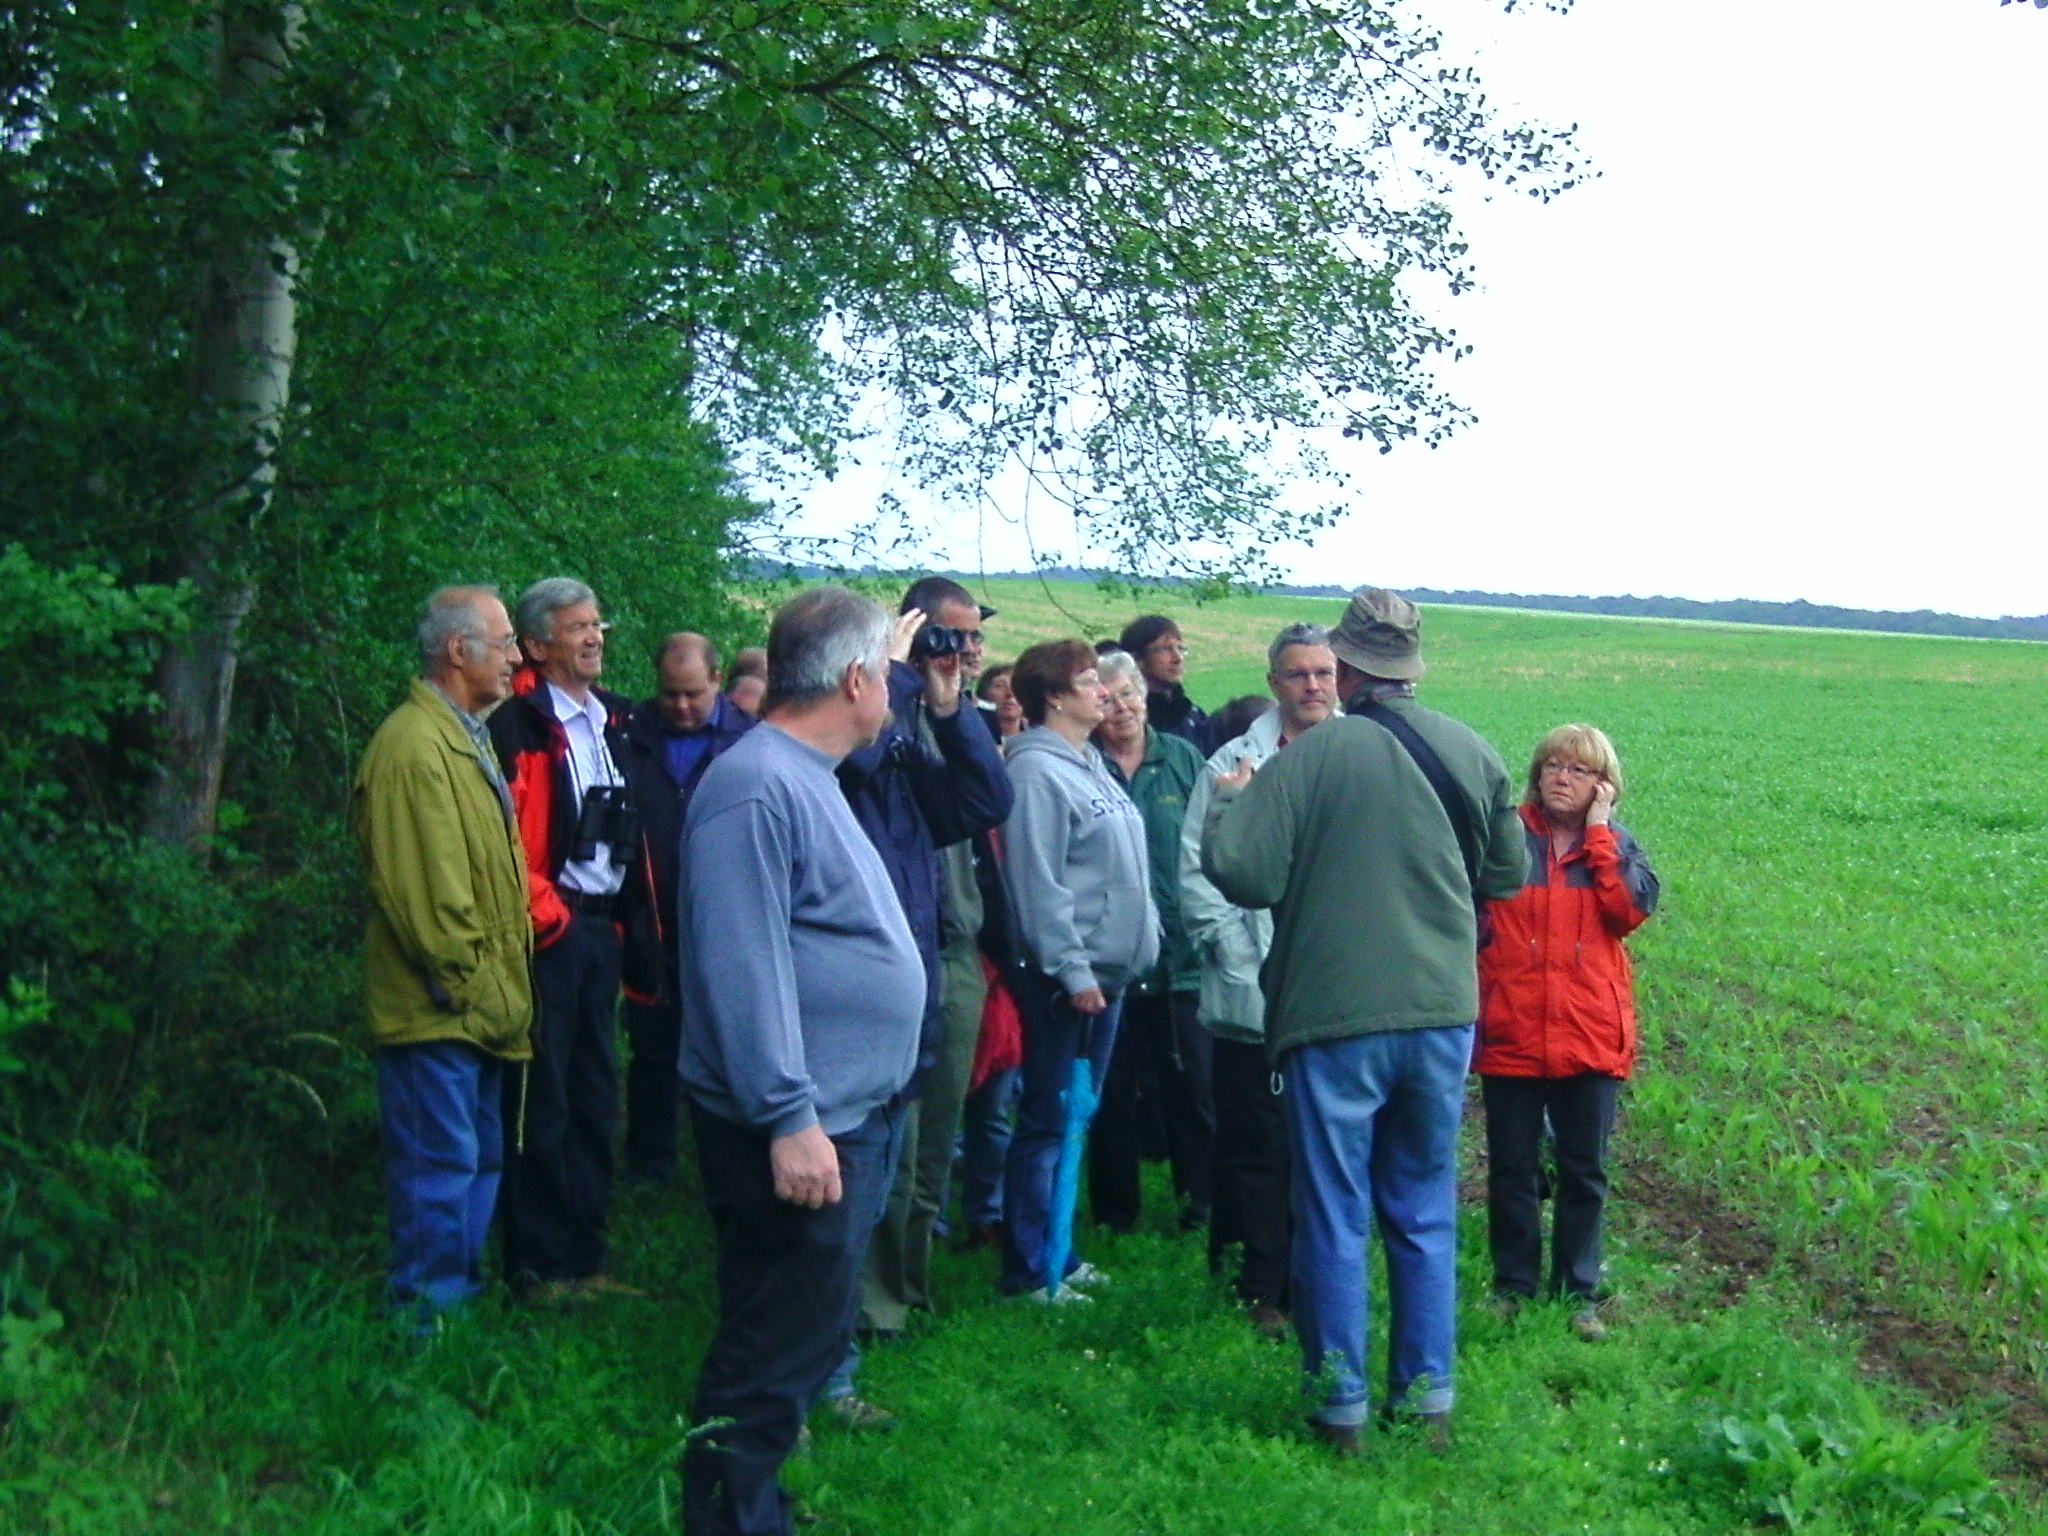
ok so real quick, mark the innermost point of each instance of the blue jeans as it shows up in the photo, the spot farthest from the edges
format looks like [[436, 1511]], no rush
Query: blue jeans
[[444, 1150], [985, 1146], [1054, 1035], [1373, 1125]]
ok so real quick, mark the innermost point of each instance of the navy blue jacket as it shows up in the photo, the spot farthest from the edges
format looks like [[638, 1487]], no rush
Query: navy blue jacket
[[912, 801], [662, 802]]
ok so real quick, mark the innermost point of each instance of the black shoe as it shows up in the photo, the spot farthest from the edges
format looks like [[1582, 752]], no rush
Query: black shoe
[[1347, 1441]]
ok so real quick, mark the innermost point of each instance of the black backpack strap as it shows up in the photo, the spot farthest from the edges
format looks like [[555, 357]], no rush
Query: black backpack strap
[[1433, 770]]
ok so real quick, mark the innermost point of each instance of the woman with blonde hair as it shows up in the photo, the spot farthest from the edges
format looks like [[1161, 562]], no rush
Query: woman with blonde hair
[[1557, 1021]]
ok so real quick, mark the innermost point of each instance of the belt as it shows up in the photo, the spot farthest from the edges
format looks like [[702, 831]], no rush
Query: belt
[[583, 904]]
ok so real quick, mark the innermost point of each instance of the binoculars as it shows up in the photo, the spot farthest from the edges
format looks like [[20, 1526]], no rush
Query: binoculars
[[608, 816]]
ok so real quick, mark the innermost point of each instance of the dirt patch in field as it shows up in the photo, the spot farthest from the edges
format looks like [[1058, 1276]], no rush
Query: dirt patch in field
[[1936, 1359]]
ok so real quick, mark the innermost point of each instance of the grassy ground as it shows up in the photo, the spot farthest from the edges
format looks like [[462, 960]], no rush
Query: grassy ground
[[1831, 1181]]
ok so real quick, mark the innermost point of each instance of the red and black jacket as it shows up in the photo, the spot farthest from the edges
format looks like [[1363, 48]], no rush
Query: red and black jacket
[[1556, 994], [534, 750]]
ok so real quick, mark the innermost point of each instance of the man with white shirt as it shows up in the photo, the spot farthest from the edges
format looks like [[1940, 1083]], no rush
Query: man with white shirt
[[562, 742]]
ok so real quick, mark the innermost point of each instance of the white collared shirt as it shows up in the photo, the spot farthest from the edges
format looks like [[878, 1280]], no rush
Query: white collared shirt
[[590, 762]]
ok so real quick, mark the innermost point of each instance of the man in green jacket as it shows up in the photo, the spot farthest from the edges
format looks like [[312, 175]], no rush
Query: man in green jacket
[[447, 960], [1371, 838]]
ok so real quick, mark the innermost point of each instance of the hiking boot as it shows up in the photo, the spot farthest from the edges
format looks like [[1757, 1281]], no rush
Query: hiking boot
[[850, 1412]]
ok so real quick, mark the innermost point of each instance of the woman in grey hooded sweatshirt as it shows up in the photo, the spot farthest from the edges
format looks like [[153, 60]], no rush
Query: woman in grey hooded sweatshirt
[[1075, 867]]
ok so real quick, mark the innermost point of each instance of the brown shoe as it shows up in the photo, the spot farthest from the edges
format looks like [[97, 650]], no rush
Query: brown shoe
[[555, 1293], [858, 1413], [1269, 1322], [1347, 1441], [599, 1286], [1588, 1325]]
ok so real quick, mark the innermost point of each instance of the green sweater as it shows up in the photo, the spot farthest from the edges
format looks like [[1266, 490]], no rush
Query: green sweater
[[1160, 788], [1342, 836], [449, 950]]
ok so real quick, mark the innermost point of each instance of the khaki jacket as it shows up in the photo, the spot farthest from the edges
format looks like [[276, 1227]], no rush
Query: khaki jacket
[[448, 955]]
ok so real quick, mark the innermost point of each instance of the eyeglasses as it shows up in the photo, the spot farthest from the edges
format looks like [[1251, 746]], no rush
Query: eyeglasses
[[509, 645], [1578, 773]]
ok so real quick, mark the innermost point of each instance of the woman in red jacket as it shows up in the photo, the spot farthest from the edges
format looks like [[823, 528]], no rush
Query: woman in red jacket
[[1558, 1020]]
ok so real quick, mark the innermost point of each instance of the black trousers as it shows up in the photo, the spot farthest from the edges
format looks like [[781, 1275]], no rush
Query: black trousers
[[1160, 1031], [558, 1157], [788, 1288], [1581, 1114], [1252, 1210], [654, 1097]]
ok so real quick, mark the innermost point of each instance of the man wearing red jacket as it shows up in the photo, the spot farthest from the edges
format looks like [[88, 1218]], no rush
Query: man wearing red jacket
[[562, 741]]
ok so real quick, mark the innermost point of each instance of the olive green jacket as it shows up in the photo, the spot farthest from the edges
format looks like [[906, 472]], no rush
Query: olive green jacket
[[1373, 920], [449, 949]]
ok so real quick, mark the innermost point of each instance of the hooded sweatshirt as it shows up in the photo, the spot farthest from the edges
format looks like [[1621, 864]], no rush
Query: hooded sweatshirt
[[1075, 866]]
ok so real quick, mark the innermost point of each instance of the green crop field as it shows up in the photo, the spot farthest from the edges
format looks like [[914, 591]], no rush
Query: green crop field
[[1829, 1231]]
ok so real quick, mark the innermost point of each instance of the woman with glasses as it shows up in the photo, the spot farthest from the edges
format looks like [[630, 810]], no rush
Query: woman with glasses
[[1074, 864], [1557, 1022]]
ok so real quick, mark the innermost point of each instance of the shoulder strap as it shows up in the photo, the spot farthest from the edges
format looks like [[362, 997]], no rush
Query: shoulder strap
[[1433, 770]]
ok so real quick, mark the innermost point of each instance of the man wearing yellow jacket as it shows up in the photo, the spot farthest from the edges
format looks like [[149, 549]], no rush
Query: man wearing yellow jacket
[[447, 960]]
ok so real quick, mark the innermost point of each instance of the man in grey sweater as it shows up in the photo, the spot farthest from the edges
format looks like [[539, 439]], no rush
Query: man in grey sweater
[[803, 993]]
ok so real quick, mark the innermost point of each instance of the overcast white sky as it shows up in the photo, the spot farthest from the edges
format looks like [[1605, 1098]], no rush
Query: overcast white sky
[[1793, 343]]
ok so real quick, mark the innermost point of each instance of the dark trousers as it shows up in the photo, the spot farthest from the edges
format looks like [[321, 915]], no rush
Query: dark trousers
[[1581, 1113], [654, 1099], [558, 1183], [1160, 1031], [1251, 1211], [788, 1288]]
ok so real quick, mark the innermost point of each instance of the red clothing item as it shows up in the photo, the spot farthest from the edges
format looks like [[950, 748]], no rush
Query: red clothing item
[[1556, 994]]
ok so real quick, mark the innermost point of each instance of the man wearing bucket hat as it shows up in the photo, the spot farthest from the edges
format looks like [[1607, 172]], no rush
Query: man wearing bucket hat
[[1372, 838]]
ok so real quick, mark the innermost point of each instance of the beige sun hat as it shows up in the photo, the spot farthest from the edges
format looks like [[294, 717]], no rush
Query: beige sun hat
[[1381, 635]]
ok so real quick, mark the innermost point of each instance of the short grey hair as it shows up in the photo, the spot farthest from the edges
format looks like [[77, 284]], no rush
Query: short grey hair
[[1291, 636], [816, 636], [534, 618], [1113, 666], [450, 613]]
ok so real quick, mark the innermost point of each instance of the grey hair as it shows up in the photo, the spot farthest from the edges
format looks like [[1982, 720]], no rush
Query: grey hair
[[534, 618], [816, 636], [450, 613], [1111, 666], [1291, 636]]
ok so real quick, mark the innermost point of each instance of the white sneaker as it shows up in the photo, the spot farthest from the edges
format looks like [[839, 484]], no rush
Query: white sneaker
[[1085, 1274], [1065, 1296]]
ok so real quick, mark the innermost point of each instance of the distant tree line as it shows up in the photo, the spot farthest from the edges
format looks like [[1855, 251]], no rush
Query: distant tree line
[[1798, 613]]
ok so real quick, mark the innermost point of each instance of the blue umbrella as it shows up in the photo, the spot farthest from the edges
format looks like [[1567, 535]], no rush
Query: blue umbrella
[[1078, 1100]]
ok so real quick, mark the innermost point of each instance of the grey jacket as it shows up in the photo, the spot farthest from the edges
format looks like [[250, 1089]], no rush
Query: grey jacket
[[1230, 942], [1074, 865]]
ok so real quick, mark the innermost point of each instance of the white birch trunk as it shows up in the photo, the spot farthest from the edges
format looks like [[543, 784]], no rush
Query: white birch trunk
[[243, 366]]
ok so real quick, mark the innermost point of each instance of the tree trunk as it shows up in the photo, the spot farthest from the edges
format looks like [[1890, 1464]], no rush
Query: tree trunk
[[243, 365]]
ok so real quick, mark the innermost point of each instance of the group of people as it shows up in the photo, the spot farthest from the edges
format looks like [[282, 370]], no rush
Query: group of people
[[896, 940]]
